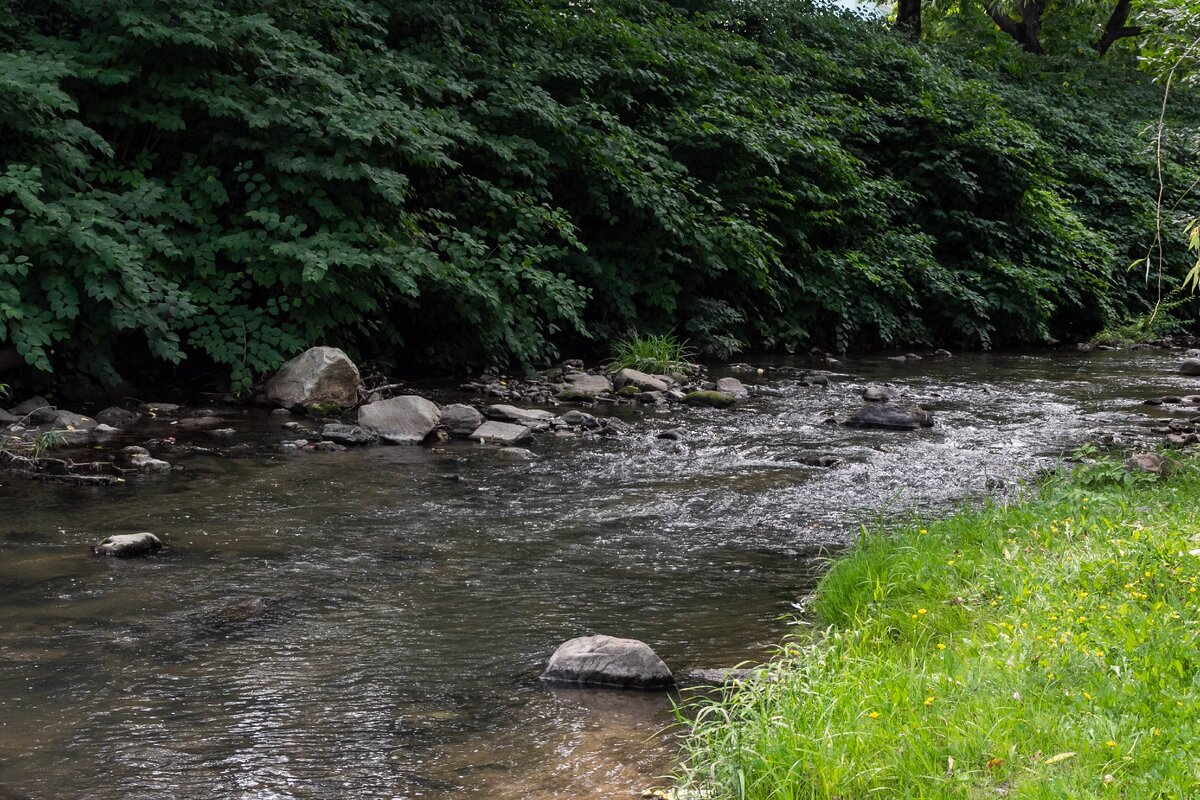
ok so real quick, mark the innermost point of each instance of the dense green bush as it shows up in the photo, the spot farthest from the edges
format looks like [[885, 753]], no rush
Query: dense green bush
[[478, 180]]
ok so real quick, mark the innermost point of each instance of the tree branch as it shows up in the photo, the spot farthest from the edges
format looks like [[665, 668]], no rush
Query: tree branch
[[1116, 29]]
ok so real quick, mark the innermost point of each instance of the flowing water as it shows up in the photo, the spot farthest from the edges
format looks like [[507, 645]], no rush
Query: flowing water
[[371, 624]]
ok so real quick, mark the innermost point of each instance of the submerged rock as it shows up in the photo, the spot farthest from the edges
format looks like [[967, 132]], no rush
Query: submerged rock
[[346, 434], [317, 376], [891, 416], [709, 398], [515, 454], [460, 421], [128, 545], [606, 661], [501, 433], [400, 420]]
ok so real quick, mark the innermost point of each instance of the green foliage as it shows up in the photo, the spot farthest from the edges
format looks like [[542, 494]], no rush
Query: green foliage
[[485, 182], [1151, 326], [1038, 649], [656, 354]]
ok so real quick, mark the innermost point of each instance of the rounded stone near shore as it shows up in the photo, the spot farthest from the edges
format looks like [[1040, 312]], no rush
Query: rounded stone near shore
[[608, 662], [128, 545], [319, 375]]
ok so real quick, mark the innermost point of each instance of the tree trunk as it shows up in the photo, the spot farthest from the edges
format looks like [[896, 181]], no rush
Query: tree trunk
[[1116, 28], [1027, 30], [908, 17]]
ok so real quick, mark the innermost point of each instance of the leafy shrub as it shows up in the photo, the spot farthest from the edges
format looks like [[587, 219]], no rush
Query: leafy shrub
[[465, 182]]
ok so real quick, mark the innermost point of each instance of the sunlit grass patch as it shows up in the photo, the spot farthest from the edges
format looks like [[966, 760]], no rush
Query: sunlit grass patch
[[1041, 649]]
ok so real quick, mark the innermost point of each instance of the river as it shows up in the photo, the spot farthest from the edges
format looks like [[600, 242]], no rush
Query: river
[[371, 624]]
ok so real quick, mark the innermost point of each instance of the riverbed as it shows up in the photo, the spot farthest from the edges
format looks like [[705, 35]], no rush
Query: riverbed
[[372, 623]]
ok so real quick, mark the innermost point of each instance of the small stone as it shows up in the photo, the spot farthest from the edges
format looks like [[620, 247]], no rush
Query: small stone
[[104, 430], [128, 545], [281, 412], [326, 447], [222, 433], [134, 450], [650, 398]]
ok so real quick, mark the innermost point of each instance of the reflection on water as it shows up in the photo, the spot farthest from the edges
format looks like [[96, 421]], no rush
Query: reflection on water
[[371, 624]]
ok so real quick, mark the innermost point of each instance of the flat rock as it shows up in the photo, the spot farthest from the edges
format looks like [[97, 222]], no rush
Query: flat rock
[[501, 433], [346, 434], [734, 387], [606, 661], [128, 545], [583, 383], [530, 418], [460, 421], [400, 420], [640, 380], [318, 376], [891, 416]]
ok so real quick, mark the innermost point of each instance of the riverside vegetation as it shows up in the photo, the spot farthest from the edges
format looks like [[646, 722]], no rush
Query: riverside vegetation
[[1042, 648], [462, 182]]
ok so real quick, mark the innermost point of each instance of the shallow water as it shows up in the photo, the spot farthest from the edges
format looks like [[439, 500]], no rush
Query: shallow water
[[371, 624]]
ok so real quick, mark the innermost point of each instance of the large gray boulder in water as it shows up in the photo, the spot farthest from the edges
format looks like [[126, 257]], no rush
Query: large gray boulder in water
[[128, 545], [400, 420], [317, 376], [1189, 366], [606, 661], [891, 416]]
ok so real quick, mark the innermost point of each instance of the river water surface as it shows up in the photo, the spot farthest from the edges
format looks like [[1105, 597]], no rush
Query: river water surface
[[371, 624]]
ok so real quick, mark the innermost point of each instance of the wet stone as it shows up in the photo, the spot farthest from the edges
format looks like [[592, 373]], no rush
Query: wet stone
[[608, 662], [128, 545]]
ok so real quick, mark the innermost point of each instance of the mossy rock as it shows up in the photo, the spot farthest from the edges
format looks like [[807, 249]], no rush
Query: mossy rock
[[319, 410], [569, 395], [711, 399], [629, 391]]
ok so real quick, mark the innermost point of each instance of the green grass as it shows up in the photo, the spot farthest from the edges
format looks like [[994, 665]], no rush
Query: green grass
[[1041, 649], [1147, 328], [649, 353]]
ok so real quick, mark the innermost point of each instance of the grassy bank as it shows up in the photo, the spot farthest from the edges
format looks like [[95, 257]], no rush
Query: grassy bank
[[1045, 648]]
